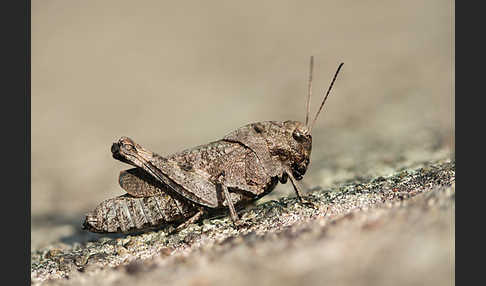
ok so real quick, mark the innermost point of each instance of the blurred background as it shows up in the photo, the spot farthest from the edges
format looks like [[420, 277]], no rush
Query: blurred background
[[176, 75]]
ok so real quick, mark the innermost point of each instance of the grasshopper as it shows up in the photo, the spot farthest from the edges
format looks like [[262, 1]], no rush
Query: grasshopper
[[229, 173]]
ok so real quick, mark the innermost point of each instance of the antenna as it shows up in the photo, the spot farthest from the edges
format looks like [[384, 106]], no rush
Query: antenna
[[327, 94], [309, 90]]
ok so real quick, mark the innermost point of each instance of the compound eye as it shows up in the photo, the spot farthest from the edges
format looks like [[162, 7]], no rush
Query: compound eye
[[298, 135]]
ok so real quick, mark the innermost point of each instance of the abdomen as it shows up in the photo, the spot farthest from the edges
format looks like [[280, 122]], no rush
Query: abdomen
[[127, 214]]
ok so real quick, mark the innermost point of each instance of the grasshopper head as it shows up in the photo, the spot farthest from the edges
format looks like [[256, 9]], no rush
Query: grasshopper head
[[300, 142], [292, 143]]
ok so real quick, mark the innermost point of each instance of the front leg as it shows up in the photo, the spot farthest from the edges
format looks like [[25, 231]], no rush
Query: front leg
[[294, 184], [298, 192]]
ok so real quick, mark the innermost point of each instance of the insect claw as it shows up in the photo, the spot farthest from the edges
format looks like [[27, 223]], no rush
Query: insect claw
[[240, 223], [309, 203]]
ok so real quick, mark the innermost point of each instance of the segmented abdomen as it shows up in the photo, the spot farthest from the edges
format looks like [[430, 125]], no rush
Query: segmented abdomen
[[127, 214]]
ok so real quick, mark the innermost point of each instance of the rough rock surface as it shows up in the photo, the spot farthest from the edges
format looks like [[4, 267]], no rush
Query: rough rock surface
[[396, 229]]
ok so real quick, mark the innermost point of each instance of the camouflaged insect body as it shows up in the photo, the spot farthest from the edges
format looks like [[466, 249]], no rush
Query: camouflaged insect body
[[249, 161], [226, 174]]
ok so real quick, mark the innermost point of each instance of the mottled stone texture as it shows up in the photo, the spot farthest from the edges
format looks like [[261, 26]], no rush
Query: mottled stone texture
[[396, 229]]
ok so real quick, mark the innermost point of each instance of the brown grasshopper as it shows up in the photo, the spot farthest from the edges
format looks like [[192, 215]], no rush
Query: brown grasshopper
[[229, 173]]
